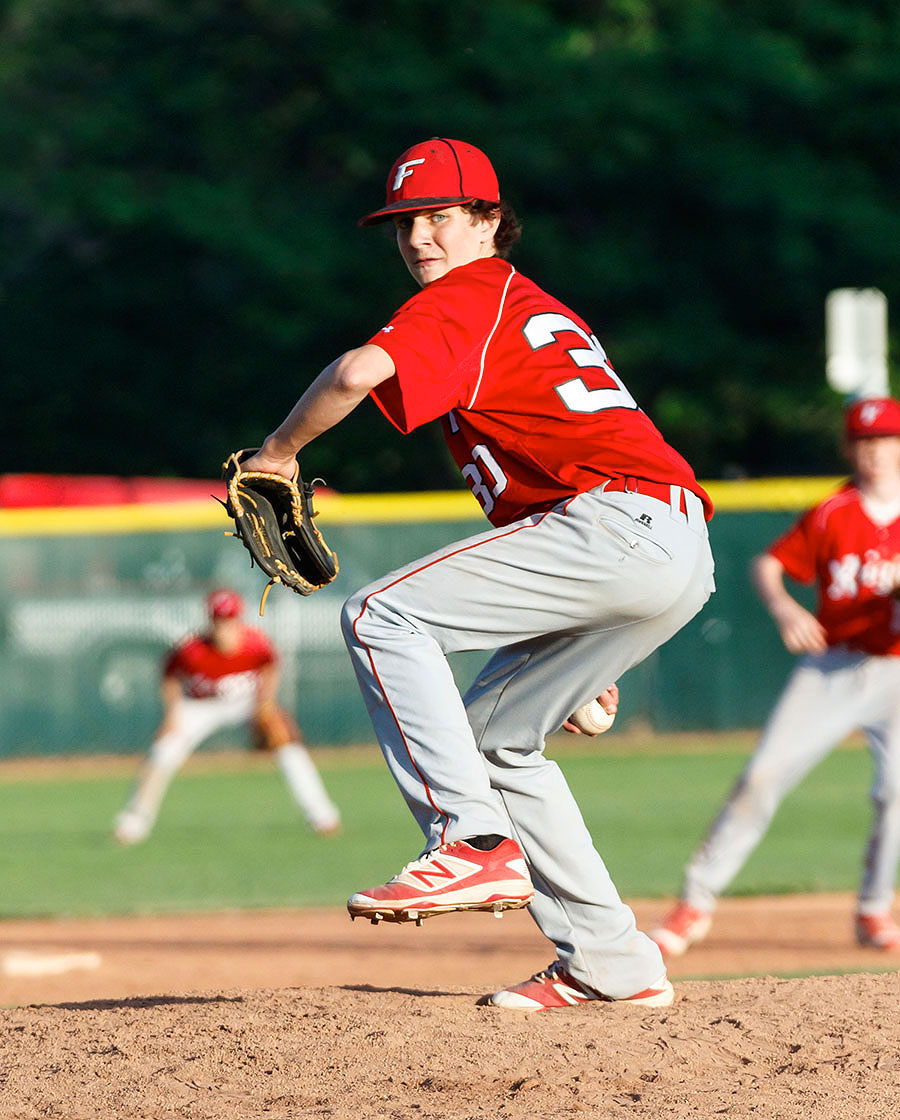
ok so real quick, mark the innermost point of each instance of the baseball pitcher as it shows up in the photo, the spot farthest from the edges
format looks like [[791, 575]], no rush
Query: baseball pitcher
[[597, 554]]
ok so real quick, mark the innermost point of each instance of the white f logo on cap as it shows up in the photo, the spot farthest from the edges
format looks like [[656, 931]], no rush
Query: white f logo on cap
[[404, 171], [869, 413]]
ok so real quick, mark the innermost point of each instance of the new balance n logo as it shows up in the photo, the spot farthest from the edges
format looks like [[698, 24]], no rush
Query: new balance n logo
[[434, 872]]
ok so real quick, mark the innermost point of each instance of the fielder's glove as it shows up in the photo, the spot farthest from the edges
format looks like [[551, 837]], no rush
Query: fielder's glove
[[273, 727], [273, 520]]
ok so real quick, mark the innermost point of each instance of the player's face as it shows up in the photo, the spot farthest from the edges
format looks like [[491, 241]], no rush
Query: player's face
[[433, 242], [876, 458]]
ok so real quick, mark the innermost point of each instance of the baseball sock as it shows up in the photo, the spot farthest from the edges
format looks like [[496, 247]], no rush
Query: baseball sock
[[485, 843]]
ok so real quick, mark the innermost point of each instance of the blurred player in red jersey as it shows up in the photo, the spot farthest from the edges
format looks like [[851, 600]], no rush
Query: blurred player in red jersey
[[222, 678], [848, 678], [599, 553]]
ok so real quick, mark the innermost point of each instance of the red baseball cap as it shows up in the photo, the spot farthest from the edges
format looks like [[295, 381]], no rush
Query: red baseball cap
[[224, 603], [875, 416], [435, 174]]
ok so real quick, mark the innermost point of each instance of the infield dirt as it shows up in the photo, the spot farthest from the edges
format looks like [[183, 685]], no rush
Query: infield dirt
[[303, 1014]]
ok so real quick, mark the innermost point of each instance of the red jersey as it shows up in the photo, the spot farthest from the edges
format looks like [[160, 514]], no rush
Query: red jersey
[[856, 565], [206, 671], [533, 411]]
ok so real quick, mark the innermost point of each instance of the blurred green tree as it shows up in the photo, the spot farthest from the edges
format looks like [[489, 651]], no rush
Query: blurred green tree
[[179, 183]]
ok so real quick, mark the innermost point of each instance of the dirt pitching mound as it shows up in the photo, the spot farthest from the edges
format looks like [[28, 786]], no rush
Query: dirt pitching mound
[[827, 1047], [305, 1015]]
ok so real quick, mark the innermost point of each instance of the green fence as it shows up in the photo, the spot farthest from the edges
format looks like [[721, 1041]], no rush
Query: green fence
[[87, 613]]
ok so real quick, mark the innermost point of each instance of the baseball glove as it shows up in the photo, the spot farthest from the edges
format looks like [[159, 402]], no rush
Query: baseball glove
[[272, 728], [273, 520]]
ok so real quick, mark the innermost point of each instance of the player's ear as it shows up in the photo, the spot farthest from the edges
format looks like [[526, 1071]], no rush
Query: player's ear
[[490, 223]]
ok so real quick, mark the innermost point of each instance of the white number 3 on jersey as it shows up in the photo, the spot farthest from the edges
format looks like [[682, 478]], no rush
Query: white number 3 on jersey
[[541, 330]]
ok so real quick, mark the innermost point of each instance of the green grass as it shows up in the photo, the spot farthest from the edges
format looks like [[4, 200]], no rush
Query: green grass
[[233, 839], [647, 813]]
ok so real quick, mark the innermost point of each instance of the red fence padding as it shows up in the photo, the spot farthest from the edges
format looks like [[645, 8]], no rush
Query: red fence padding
[[24, 491]]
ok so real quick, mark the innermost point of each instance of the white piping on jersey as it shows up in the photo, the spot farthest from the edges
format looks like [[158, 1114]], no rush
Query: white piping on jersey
[[491, 335]]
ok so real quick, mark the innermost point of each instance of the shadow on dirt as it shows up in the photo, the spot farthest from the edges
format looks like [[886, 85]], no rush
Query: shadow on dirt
[[399, 991], [139, 1002]]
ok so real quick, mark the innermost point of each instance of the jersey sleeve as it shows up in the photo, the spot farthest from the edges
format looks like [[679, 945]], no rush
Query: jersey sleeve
[[795, 550], [436, 341], [260, 644]]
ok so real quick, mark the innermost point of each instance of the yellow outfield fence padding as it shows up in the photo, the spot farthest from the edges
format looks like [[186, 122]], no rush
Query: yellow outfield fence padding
[[770, 494], [744, 495], [51, 521]]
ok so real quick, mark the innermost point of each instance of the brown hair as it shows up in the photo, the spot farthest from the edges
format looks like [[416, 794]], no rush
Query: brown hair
[[510, 229]]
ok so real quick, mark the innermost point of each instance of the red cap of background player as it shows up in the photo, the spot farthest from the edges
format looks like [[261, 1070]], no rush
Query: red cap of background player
[[876, 416], [224, 603], [435, 174]]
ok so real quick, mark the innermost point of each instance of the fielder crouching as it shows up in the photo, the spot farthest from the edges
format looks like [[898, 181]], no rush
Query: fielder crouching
[[224, 677]]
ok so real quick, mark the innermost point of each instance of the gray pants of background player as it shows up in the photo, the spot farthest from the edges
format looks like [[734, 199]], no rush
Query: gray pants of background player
[[826, 698], [574, 597]]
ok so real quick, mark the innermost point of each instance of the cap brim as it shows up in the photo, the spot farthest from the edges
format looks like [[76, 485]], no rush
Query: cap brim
[[411, 205]]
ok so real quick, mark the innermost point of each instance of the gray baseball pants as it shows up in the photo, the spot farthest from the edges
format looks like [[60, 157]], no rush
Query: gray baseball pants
[[826, 697], [573, 598]]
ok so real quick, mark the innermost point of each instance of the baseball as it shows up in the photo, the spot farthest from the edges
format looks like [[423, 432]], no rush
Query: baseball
[[592, 719]]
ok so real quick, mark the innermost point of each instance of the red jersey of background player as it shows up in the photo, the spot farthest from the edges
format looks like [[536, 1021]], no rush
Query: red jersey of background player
[[206, 671], [856, 565], [533, 410]]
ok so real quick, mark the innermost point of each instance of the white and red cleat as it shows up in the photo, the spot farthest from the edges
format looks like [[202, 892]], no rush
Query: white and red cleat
[[682, 927], [554, 987], [455, 876], [878, 931]]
